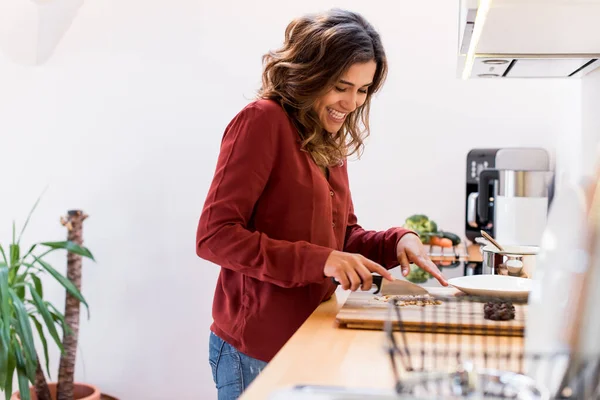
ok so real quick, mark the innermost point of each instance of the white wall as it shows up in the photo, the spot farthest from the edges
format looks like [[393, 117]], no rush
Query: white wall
[[590, 117], [125, 123]]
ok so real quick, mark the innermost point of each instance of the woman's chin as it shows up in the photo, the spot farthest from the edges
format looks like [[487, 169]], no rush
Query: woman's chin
[[333, 127]]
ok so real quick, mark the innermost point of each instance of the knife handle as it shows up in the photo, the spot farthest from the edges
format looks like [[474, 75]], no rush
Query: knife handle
[[377, 279]]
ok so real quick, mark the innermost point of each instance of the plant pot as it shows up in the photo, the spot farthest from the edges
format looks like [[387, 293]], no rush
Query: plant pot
[[104, 396], [82, 391], [30, 30]]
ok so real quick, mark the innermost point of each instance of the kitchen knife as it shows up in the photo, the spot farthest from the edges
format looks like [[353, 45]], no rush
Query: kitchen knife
[[395, 287]]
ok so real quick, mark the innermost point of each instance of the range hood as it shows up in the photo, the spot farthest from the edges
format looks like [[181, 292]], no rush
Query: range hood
[[528, 38]]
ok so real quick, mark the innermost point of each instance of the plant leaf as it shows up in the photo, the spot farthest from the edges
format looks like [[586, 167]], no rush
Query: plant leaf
[[3, 356], [23, 385], [18, 286], [3, 255], [57, 316], [43, 310], [30, 250], [66, 283], [22, 373], [10, 373], [25, 333], [20, 291], [40, 330], [71, 247], [33, 267], [14, 254], [38, 285], [30, 213], [4, 300]]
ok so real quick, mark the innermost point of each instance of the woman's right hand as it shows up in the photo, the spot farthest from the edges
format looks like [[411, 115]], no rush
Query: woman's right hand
[[353, 270]]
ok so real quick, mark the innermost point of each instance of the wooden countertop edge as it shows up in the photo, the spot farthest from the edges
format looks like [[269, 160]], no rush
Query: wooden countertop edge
[[321, 353], [279, 372]]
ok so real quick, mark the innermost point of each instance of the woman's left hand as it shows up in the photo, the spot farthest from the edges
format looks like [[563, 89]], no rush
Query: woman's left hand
[[411, 250]]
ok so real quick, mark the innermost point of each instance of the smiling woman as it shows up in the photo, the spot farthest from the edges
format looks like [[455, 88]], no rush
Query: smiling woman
[[324, 76], [278, 218], [348, 94]]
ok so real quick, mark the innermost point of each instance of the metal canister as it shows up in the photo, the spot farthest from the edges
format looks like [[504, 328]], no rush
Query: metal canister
[[516, 261]]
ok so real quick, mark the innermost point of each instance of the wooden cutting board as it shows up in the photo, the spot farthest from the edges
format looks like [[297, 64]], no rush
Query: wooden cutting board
[[363, 311]]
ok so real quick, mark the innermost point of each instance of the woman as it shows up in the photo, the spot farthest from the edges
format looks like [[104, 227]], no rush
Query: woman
[[278, 217]]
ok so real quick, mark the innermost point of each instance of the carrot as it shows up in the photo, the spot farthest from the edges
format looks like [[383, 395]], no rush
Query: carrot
[[445, 242], [442, 242]]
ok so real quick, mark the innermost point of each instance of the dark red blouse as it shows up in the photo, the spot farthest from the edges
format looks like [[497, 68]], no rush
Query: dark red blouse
[[270, 220]]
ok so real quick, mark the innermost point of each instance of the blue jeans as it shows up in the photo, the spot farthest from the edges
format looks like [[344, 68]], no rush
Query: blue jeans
[[232, 371]]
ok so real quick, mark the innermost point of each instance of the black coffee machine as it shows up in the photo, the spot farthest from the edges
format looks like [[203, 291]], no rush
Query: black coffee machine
[[515, 158], [520, 159], [478, 160]]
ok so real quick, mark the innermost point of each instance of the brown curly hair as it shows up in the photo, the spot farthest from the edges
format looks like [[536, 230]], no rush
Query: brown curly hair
[[317, 50]]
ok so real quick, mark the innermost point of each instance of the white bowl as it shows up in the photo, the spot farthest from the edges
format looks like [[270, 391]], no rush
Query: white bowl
[[502, 286]]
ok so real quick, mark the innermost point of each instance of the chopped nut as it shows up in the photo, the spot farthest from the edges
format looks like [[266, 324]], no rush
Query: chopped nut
[[409, 300]]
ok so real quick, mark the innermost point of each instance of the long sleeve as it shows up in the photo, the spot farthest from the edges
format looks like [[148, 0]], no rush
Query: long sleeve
[[226, 236], [378, 246]]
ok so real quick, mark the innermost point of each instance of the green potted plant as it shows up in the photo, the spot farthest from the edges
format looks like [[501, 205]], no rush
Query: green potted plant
[[23, 307]]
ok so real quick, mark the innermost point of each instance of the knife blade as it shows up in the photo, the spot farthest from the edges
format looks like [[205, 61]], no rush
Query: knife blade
[[395, 287]]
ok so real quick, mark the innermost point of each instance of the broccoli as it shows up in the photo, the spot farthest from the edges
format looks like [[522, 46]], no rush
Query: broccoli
[[422, 225], [417, 275], [417, 219], [427, 230]]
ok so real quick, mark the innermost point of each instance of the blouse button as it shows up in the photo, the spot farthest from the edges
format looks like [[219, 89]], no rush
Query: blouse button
[[331, 193], [333, 224]]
